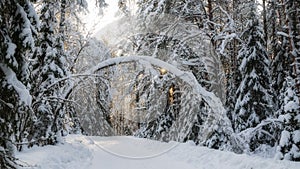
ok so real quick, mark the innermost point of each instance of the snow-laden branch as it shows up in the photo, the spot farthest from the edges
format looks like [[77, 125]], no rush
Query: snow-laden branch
[[72, 76], [218, 111], [213, 101], [12, 80]]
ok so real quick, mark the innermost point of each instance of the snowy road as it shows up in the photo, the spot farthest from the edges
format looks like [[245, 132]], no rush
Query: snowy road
[[80, 152]]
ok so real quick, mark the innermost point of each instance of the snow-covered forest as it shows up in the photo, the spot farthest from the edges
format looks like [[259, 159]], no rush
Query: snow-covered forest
[[221, 74]]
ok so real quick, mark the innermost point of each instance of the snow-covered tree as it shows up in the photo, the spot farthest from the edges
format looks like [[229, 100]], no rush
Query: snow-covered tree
[[59, 46], [176, 33], [162, 111], [51, 65], [289, 114], [292, 9], [153, 12], [93, 106], [288, 100], [254, 100], [93, 93], [162, 103], [276, 49], [173, 51], [33, 104], [17, 41]]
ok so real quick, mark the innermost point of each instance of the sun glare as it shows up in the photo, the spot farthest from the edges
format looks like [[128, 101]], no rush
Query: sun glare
[[94, 21]]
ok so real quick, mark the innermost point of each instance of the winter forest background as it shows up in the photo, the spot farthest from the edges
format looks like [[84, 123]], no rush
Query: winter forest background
[[224, 74]]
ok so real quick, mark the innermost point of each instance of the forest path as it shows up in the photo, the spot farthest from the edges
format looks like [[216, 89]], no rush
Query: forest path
[[134, 153], [121, 152]]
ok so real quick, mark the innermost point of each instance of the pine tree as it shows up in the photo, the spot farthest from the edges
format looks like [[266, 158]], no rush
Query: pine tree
[[253, 94], [50, 66], [289, 115], [17, 41], [32, 102]]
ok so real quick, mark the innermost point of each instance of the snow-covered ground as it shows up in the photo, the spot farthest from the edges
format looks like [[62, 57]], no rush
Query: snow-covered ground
[[81, 152]]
